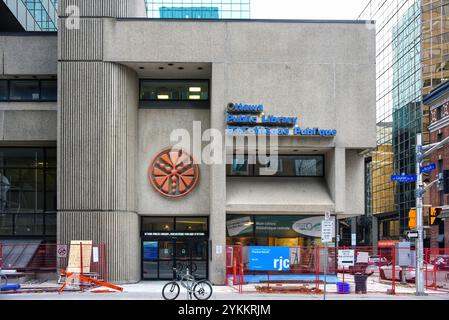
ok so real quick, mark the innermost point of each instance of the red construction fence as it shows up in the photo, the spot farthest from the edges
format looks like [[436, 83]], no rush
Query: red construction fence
[[46, 261], [437, 269], [310, 266]]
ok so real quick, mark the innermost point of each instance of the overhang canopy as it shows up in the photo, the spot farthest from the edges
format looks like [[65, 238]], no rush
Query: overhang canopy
[[285, 195]]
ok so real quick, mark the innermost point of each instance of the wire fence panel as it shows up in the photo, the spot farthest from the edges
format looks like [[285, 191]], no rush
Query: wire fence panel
[[374, 270], [437, 269], [47, 261]]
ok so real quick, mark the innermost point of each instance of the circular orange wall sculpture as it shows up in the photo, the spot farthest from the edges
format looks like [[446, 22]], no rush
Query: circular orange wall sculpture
[[173, 173]]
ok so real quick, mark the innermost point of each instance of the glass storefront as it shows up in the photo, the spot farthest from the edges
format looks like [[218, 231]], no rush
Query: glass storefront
[[174, 242], [274, 230]]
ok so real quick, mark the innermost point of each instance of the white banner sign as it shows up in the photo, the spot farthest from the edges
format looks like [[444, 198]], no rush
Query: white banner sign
[[346, 258]]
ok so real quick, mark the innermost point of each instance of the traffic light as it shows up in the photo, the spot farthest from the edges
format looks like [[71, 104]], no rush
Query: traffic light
[[412, 219], [433, 214]]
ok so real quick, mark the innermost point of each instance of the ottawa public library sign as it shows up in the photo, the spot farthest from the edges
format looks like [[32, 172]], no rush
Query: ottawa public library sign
[[251, 119]]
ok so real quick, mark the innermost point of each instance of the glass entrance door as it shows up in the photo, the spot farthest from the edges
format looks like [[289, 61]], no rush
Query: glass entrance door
[[161, 256]]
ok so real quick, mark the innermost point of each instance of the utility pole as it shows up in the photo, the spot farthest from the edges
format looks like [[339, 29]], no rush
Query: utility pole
[[422, 152], [419, 279]]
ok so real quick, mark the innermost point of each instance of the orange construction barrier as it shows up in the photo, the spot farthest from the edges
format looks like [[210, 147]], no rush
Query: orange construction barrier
[[70, 276]]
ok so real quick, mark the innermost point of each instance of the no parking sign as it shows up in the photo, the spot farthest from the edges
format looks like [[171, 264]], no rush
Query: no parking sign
[[61, 251]]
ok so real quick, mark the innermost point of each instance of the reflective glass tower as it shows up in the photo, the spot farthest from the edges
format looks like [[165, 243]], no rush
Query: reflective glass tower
[[199, 9], [398, 110], [435, 43], [33, 15]]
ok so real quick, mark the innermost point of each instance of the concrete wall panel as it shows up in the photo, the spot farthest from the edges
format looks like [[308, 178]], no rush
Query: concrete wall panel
[[29, 125], [355, 186], [29, 54], [155, 127]]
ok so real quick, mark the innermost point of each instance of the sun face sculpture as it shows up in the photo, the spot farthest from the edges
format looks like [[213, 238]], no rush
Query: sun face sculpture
[[173, 173]]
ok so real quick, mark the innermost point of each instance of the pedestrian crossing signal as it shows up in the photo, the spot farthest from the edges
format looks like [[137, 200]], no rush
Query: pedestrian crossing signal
[[433, 214]]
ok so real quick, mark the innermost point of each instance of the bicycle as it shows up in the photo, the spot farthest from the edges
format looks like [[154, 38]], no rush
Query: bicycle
[[180, 266], [3, 279], [201, 289]]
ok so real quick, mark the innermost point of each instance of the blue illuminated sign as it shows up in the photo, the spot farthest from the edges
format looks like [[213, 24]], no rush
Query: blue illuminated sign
[[269, 258], [250, 119]]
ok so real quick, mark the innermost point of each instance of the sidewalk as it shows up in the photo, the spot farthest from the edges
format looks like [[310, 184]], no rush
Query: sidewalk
[[152, 291]]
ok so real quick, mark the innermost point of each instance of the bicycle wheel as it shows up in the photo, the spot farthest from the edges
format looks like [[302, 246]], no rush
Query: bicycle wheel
[[171, 290], [202, 290]]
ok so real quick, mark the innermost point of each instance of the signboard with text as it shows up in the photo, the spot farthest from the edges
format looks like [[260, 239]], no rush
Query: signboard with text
[[346, 258], [269, 258], [403, 178], [327, 227]]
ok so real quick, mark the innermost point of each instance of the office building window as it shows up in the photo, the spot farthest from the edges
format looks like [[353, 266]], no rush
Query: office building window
[[3, 90], [174, 90], [284, 166], [49, 90], [27, 191], [28, 90], [24, 90]]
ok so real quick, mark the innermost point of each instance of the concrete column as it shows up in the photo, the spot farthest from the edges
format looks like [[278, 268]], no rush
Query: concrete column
[[97, 137], [217, 225], [336, 179]]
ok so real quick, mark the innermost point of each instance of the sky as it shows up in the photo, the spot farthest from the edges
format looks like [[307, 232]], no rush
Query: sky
[[307, 9]]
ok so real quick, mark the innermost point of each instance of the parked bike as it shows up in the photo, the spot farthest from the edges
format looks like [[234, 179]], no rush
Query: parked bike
[[3, 279], [201, 289], [180, 266]]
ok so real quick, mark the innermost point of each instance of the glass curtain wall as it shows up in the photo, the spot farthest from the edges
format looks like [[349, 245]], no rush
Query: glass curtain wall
[[435, 43], [35, 15], [27, 192], [199, 9], [398, 106]]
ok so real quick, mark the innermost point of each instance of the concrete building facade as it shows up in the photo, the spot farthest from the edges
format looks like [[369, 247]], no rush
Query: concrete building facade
[[116, 111]]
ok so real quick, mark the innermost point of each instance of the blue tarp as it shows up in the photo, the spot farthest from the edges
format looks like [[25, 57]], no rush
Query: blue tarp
[[289, 277], [10, 287]]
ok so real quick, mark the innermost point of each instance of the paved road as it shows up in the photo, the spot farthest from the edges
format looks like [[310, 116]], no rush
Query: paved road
[[152, 291]]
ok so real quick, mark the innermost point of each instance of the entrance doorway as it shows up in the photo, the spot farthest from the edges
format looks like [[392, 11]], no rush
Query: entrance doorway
[[174, 242], [161, 256]]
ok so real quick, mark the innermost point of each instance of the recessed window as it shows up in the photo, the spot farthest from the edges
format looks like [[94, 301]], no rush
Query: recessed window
[[49, 90], [28, 90], [24, 90], [3, 90], [174, 90], [280, 166], [28, 191]]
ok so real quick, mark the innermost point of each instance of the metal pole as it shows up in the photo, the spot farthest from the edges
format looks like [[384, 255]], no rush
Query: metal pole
[[419, 219], [325, 269]]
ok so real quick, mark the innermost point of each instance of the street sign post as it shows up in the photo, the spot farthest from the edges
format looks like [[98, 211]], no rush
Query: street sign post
[[404, 178], [327, 227], [412, 234], [429, 168]]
